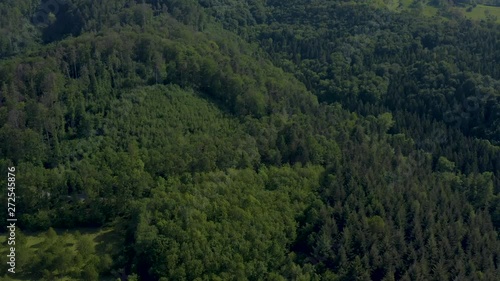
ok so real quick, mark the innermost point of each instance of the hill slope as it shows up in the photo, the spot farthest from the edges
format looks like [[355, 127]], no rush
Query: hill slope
[[251, 140]]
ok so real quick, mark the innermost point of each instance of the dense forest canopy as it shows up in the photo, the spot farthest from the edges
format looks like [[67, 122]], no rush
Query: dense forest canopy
[[251, 139]]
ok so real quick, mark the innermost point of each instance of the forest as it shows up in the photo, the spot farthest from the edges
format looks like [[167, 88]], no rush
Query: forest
[[331, 140]]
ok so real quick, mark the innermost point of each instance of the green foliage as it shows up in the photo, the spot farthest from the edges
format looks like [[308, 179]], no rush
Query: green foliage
[[252, 140], [196, 221]]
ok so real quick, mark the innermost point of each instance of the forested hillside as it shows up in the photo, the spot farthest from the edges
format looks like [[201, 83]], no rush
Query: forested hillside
[[250, 140]]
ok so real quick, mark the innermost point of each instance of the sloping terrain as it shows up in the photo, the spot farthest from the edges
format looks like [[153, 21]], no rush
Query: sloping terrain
[[250, 140]]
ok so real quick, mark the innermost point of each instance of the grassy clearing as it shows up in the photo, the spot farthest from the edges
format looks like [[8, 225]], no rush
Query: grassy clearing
[[393, 5], [33, 239], [479, 12], [430, 11], [402, 5], [102, 237], [406, 3]]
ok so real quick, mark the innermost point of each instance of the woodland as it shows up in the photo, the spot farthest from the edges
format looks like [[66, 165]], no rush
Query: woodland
[[271, 140]]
